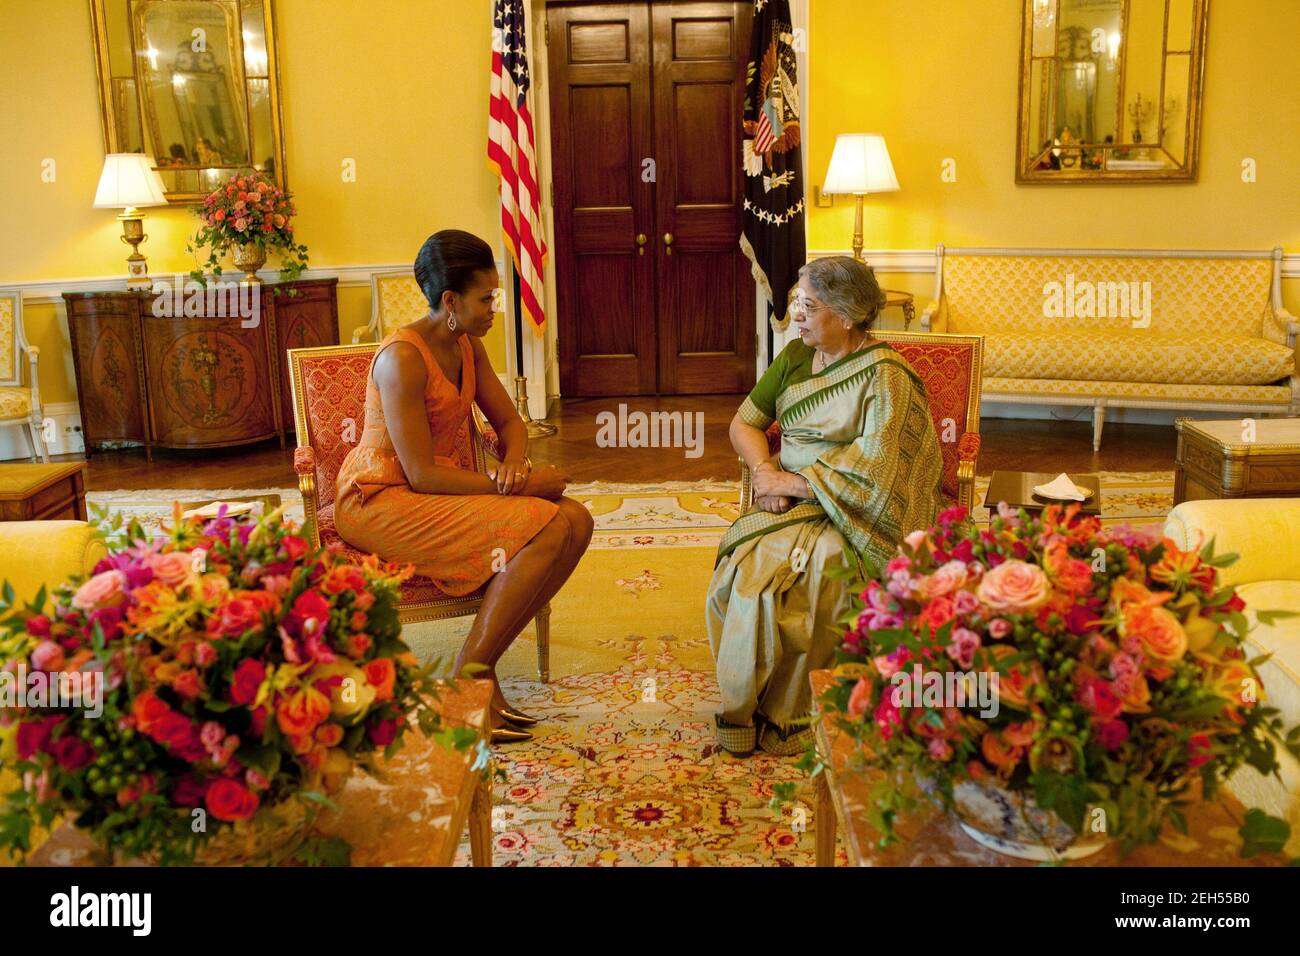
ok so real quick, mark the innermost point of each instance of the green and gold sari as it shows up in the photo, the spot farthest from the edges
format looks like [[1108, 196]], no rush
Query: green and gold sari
[[860, 433]]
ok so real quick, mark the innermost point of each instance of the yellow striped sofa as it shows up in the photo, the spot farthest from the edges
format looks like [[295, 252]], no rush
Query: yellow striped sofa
[[1114, 328]]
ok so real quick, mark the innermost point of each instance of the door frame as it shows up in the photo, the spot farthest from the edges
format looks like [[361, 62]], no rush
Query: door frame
[[541, 356]]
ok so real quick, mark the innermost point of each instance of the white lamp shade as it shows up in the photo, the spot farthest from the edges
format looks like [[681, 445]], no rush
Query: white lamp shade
[[860, 164], [129, 179]]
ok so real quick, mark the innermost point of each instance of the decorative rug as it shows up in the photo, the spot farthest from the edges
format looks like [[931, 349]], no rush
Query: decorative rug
[[624, 769]]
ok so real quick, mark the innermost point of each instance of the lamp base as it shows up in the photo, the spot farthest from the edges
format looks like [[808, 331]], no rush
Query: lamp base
[[535, 428], [137, 266]]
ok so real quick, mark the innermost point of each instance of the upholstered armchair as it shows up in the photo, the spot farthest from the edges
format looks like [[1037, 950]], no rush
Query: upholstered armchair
[[951, 368], [395, 300], [329, 397], [20, 404]]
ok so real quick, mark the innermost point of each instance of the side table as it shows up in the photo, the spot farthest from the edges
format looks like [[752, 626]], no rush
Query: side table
[[43, 492]]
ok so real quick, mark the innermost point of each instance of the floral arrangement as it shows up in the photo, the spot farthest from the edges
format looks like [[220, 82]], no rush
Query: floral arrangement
[[1120, 676], [248, 208], [240, 672]]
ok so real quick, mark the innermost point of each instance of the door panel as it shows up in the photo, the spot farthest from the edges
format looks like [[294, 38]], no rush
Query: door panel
[[705, 304], [632, 82], [600, 128]]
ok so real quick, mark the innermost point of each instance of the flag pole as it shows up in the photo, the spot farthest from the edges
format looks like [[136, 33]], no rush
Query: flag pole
[[536, 429]]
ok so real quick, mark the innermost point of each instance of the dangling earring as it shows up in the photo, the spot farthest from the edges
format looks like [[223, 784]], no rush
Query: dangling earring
[[451, 322]]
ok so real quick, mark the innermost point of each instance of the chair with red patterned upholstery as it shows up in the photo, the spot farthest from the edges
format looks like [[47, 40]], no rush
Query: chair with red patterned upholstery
[[951, 366], [329, 397]]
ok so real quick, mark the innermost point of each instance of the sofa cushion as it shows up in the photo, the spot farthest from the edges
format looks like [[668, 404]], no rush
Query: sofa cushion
[[1281, 672], [1260, 531], [1089, 390], [1138, 355]]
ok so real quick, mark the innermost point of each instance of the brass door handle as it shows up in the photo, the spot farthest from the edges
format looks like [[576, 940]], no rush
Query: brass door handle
[[641, 240], [668, 242]]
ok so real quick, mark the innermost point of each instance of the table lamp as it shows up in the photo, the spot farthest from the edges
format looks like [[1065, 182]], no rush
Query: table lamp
[[859, 165], [127, 183]]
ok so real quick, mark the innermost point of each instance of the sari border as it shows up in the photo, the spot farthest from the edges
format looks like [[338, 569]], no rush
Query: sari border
[[752, 415], [804, 511]]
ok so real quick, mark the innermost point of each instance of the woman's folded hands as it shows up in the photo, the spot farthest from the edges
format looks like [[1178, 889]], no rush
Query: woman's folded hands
[[775, 490]]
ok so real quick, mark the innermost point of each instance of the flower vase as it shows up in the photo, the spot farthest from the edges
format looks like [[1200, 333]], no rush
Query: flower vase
[[1011, 823], [249, 257]]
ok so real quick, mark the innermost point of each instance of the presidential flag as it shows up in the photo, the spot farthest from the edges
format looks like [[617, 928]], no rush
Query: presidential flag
[[773, 237], [512, 154]]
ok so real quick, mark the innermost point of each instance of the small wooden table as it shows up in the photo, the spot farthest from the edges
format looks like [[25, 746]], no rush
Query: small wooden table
[[43, 492], [413, 816], [1016, 488], [1237, 458], [904, 301], [930, 837]]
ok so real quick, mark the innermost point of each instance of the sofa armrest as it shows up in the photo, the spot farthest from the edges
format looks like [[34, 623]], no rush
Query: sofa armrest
[[35, 553], [1281, 326], [934, 317], [1260, 531]]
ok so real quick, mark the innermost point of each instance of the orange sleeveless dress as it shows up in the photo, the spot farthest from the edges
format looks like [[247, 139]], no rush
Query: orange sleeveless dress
[[452, 539]]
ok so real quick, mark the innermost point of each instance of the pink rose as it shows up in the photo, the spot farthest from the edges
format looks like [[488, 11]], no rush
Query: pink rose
[[945, 580], [999, 627], [171, 569], [899, 562], [48, 656], [965, 643], [241, 224], [887, 716], [889, 664], [914, 539], [103, 590], [964, 602], [1014, 587]]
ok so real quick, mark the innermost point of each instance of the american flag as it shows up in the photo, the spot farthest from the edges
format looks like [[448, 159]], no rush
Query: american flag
[[512, 154]]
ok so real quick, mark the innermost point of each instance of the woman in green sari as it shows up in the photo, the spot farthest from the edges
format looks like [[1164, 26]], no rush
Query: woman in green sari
[[859, 468]]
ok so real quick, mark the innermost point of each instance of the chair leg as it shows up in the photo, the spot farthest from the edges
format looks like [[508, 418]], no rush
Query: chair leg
[[38, 442], [543, 620], [1098, 420]]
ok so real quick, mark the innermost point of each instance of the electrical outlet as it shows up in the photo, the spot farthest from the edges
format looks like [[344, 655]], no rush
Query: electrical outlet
[[821, 199]]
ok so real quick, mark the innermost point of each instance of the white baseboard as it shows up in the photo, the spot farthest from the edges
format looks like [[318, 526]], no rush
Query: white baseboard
[[63, 438], [1083, 413]]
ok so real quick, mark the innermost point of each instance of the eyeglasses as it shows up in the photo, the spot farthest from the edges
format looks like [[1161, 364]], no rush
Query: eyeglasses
[[802, 305]]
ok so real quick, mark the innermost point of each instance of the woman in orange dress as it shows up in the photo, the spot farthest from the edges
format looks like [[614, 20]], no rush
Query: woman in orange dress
[[403, 496]]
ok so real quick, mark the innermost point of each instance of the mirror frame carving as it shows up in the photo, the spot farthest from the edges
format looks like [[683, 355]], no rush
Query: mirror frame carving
[[1187, 172], [111, 120]]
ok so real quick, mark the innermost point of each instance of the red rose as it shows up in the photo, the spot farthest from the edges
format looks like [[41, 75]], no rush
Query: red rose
[[174, 730], [148, 709], [188, 684], [72, 753], [246, 680], [34, 735], [1198, 750], [230, 800], [1098, 697], [38, 625], [937, 613], [294, 546], [383, 733], [1235, 603], [1112, 734], [189, 791], [310, 612]]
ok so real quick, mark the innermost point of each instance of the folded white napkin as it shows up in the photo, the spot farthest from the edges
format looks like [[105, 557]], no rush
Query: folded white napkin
[[233, 509], [1062, 488]]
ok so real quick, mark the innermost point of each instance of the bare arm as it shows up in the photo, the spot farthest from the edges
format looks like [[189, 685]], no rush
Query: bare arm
[[401, 377], [501, 412]]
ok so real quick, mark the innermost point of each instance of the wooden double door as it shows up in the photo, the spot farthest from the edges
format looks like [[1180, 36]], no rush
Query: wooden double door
[[654, 294]]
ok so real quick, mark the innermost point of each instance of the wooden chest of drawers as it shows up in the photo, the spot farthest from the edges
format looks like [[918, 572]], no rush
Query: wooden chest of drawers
[[1237, 458], [192, 381]]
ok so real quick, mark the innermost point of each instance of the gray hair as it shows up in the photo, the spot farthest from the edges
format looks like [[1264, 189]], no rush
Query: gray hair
[[847, 287]]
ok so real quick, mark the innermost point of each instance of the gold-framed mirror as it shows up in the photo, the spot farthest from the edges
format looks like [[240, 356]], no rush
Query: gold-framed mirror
[[1110, 90], [192, 83]]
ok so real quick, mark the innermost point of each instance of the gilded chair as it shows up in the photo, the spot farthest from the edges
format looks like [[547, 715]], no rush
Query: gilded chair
[[329, 397], [395, 300], [950, 366], [20, 405]]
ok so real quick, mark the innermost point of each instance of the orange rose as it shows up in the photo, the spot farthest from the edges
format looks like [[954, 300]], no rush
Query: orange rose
[[999, 753], [1013, 683], [343, 577], [1163, 638], [329, 734], [1069, 574], [1137, 698], [380, 674], [300, 713], [1014, 587]]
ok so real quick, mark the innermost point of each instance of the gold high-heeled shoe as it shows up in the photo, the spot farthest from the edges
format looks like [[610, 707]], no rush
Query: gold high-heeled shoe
[[509, 735], [515, 717]]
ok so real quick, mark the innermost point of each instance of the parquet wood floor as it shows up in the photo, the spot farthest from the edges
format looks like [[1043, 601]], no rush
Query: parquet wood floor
[[1007, 444]]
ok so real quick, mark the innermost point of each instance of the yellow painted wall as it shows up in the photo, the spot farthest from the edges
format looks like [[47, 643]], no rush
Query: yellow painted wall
[[400, 86], [939, 79]]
